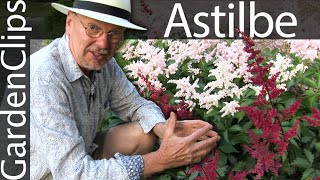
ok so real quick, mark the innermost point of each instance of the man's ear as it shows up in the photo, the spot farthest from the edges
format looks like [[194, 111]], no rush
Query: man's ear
[[68, 22]]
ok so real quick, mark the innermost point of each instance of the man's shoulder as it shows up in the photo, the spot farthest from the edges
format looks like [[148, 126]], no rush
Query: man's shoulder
[[45, 61]]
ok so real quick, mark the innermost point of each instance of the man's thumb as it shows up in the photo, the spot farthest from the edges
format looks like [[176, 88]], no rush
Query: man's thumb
[[172, 122]]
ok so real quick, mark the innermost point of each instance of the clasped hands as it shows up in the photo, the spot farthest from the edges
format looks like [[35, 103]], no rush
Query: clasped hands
[[184, 142]]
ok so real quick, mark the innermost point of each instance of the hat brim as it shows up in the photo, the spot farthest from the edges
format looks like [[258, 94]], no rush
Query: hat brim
[[98, 16]]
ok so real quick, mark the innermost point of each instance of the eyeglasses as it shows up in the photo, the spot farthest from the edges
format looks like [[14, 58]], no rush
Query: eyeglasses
[[95, 31]]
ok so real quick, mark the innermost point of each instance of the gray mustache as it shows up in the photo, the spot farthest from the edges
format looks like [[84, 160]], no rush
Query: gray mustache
[[98, 50]]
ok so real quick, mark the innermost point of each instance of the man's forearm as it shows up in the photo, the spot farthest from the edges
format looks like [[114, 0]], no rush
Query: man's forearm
[[159, 129], [152, 163]]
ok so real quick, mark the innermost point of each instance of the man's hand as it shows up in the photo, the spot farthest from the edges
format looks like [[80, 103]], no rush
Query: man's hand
[[184, 128], [178, 149]]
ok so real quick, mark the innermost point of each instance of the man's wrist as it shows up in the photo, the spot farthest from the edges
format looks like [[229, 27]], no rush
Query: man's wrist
[[153, 163], [159, 129]]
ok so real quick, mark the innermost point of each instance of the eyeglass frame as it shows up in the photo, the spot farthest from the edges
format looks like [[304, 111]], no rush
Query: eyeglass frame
[[110, 34]]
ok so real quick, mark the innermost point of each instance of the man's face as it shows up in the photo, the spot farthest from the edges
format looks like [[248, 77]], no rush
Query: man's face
[[91, 51]]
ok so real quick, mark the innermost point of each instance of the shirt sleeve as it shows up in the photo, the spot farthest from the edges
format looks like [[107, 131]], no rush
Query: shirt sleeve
[[55, 139], [129, 105], [133, 164]]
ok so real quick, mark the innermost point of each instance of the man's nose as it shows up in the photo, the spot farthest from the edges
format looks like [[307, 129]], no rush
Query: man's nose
[[103, 41]]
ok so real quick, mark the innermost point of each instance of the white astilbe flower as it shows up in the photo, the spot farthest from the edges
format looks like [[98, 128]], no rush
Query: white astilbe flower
[[231, 63], [209, 101], [287, 70], [227, 78], [229, 108], [185, 89]]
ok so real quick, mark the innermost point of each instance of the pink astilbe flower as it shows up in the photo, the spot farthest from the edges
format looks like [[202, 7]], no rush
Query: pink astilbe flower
[[306, 49]]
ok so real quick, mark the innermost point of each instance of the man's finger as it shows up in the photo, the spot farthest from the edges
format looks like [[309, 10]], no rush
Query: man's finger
[[208, 143], [193, 123], [200, 132], [211, 133]]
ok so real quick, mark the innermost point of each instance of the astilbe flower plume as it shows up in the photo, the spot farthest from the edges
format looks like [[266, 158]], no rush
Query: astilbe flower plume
[[314, 119], [207, 166], [268, 147]]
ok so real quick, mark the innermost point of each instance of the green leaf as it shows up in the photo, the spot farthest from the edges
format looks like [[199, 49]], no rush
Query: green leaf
[[223, 159], [246, 102], [301, 163], [247, 125], [307, 173], [274, 51], [222, 171], [309, 82], [194, 175], [226, 136], [227, 148], [317, 145], [249, 92], [305, 131], [236, 128], [317, 173], [318, 78], [310, 98], [240, 115], [240, 166], [294, 143], [240, 138], [181, 175], [164, 177], [309, 155], [306, 139]]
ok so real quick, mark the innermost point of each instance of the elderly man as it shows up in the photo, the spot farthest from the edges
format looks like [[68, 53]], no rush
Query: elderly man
[[75, 79]]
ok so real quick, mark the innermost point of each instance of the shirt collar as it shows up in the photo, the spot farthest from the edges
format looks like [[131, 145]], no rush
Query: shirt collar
[[71, 68]]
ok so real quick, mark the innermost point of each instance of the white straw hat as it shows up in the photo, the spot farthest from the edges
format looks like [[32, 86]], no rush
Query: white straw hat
[[110, 11]]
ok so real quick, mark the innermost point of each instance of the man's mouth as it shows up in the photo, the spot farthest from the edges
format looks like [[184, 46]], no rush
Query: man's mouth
[[98, 56]]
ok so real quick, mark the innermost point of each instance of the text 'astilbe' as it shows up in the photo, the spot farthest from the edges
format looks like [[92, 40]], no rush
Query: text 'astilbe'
[[268, 146]]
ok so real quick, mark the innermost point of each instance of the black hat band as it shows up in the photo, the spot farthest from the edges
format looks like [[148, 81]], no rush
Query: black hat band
[[102, 8]]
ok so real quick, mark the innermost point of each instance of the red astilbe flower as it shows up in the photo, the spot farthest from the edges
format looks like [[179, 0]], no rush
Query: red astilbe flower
[[268, 147], [292, 109], [238, 175], [314, 119], [207, 166], [293, 132], [259, 149], [159, 97]]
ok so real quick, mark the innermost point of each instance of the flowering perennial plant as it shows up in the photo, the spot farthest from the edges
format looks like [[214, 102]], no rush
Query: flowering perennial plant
[[264, 103]]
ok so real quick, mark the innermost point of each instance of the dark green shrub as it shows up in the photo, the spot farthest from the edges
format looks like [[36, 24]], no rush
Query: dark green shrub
[[55, 21]]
